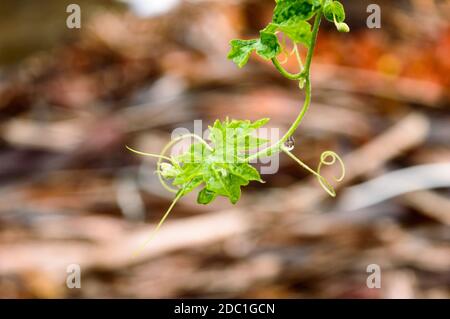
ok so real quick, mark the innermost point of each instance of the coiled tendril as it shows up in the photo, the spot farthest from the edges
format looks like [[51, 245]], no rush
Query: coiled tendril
[[327, 158], [162, 156]]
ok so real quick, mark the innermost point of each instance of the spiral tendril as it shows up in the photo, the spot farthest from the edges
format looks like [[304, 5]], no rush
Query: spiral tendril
[[327, 158], [162, 156]]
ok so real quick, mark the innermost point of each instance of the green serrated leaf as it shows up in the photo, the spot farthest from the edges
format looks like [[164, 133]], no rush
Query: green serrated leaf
[[241, 50], [268, 46], [196, 154], [259, 123], [246, 172], [231, 138], [223, 169], [189, 171], [290, 9], [298, 30], [232, 187], [271, 28]]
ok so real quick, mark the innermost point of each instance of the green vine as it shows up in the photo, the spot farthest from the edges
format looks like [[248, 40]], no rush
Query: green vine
[[222, 166]]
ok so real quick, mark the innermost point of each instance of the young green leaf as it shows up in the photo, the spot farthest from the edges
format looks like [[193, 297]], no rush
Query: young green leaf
[[334, 12], [220, 166], [241, 50], [299, 9], [298, 30], [196, 154], [268, 46], [205, 196], [232, 139], [188, 172], [258, 124], [231, 185], [246, 172], [290, 17]]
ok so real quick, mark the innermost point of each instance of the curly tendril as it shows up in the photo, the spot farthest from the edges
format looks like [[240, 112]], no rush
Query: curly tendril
[[327, 158], [286, 54], [284, 51], [162, 156]]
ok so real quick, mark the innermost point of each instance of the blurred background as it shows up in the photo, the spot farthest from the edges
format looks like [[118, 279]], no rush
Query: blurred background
[[71, 99]]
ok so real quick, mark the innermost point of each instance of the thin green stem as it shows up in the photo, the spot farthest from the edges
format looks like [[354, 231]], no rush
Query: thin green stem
[[148, 154], [283, 71], [323, 182], [160, 158], [161, 222], [299, 59], [315, 32], [284, 50], [295, 158], [274, 148]]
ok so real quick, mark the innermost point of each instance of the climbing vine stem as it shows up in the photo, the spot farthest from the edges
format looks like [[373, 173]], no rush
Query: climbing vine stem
[[304, 75]]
